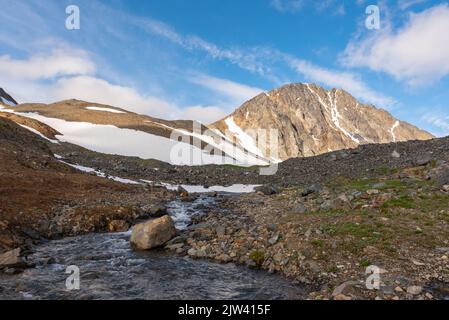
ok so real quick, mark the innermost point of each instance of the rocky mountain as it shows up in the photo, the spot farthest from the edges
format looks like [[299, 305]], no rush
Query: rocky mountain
[[6, 99], [312, 120], [309, 121]]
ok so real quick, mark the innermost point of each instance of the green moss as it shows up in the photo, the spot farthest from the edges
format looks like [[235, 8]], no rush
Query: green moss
[[318, 243], [258, 257]]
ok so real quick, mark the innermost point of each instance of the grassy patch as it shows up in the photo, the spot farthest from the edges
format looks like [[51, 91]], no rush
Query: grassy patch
[[364, 263], [402, 202], [318, 243]]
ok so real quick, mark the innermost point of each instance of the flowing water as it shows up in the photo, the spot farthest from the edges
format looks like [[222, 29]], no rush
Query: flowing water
[[109, 269]]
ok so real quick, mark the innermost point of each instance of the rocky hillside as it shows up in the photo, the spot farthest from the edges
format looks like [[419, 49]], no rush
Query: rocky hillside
[[312, 121]]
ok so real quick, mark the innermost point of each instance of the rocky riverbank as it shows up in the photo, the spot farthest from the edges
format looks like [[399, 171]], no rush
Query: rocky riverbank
[[327, 234]]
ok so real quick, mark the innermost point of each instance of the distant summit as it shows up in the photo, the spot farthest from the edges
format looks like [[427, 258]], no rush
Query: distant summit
[[312, 120], [6, 99]]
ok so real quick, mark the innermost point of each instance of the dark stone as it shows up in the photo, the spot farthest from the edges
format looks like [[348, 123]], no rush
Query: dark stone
[[267, 190], [314, 188], [157, 211]]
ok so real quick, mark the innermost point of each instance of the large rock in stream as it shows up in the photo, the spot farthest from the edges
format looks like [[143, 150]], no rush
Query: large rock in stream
[[153, 234]]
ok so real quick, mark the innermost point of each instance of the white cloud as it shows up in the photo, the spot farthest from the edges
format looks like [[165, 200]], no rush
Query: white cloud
[[202, 114], [100, 91], [344, 80], [418, 53], [62, 75], [61, 62], [287, 5], [235, 92]]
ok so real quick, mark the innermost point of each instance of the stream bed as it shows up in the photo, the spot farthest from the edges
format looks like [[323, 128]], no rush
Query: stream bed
[[110, 269]]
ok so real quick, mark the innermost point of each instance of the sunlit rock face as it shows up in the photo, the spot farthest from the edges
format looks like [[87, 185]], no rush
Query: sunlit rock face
[[311, 121]]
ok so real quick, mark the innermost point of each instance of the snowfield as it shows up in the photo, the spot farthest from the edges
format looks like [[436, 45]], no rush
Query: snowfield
[[110, 139]]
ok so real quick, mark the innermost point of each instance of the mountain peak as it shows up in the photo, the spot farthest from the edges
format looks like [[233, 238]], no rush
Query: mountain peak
[[312, 120], [6, 99]]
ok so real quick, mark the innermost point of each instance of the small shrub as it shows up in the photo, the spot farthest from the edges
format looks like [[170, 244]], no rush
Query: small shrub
[[258, 257]]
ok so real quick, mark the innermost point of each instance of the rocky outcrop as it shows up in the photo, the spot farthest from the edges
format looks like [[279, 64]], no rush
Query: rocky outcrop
[[153, 234], [312, 121]]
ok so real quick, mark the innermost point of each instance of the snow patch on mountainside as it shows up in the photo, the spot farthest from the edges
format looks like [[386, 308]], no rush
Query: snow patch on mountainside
[[110, 139], [336, 117], [246, 141], [97, 173], [39, 134], [224, 144], [104, 109], [396, 124]]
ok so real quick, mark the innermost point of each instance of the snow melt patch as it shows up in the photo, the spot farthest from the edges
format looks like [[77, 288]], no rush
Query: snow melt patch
[[335, 115], [98, 173], [104, 109], [245, 139], [393, 135], [38, 133], [235, 188]]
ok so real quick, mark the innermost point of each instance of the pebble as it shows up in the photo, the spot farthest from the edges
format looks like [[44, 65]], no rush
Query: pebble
[[414, 290]]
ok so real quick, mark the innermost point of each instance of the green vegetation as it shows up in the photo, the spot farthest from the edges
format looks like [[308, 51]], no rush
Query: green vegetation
[[402, 202], [364, 263], [318, 243], [258, 257]]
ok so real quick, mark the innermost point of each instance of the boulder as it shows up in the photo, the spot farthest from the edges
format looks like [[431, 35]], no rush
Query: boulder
[[153, 234], [314, 188], [157, 211], [11, 259], [423, 160]]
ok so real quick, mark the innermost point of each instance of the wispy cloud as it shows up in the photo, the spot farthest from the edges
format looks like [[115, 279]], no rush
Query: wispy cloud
[[260, 60], [235, 92], [405, 4], [344, 80], [439, 121]]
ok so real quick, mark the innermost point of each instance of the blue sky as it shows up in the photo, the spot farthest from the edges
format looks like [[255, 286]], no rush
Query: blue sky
[[201, 59]]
